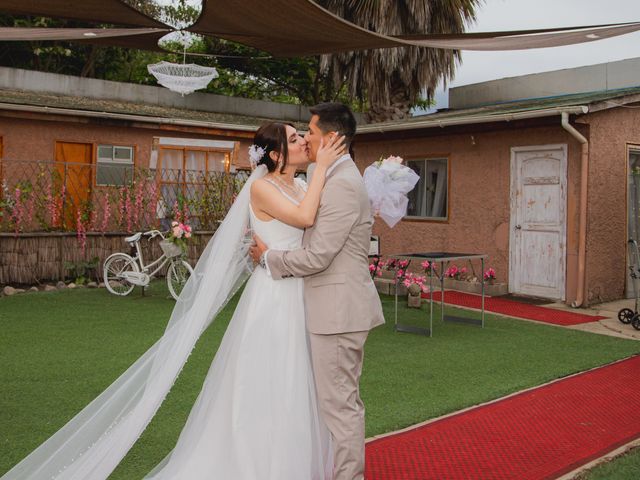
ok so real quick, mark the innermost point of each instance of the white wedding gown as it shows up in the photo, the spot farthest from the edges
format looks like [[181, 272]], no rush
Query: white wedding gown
[[256, 417]]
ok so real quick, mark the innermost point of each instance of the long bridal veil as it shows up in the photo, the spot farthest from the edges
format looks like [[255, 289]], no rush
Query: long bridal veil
[[92, 444]]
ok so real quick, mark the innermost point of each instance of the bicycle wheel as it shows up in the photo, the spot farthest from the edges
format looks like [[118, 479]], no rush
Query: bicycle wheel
[[114, 266], [177, 275]]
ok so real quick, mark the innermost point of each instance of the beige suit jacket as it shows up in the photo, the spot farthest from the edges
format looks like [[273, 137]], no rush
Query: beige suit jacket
[[340, 296]]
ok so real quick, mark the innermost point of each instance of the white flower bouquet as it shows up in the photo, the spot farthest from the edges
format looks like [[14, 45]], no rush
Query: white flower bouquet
[[387, 182]]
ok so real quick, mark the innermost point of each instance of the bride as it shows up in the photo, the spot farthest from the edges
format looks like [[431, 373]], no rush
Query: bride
[[256, 417]]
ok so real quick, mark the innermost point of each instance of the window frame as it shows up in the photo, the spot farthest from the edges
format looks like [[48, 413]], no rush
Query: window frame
[[132, 163], [427, 157]]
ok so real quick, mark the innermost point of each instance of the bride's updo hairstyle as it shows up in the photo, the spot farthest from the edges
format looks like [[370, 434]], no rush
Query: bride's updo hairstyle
[[272, 137]]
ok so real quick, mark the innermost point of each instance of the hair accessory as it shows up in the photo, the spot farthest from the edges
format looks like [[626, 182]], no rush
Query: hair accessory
[[255, 154]]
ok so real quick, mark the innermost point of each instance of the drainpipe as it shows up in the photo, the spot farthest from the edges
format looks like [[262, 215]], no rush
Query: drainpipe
[[584, 177]]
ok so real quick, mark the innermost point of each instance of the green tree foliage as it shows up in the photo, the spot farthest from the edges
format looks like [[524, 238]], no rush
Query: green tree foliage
[[386, 83]]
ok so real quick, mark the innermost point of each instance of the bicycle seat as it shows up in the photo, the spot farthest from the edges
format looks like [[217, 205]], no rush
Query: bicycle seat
[[133, 238]]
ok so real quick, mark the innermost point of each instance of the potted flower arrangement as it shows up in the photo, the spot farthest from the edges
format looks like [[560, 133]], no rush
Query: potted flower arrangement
[[415, 285], [490, 276], [387, 273], [175, 244]]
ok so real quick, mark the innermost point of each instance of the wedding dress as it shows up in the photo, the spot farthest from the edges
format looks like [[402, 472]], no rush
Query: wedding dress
[[256, 417]]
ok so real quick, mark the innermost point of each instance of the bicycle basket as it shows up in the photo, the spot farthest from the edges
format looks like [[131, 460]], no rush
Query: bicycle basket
[[170, 249]]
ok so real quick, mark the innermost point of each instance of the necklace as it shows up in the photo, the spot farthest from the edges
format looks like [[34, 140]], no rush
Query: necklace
[[293, 190]]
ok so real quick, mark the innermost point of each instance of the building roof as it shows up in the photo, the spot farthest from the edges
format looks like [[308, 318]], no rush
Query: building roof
[[126, 111], [576, 104]]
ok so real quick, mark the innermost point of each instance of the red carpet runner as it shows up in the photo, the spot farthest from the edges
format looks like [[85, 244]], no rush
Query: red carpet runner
[[534, 435], [515, 309]]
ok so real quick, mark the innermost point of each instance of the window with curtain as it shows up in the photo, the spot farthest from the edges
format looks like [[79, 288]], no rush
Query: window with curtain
[[430, 197], [184, 175]]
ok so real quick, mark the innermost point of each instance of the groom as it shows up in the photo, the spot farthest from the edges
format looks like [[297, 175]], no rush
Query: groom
[[342, 304]]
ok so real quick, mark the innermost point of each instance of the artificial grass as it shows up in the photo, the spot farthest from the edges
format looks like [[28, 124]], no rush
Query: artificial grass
[[58, 350], [624, 467]]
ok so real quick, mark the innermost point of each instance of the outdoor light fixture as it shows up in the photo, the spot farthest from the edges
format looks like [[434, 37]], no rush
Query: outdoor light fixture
[[183, 78]]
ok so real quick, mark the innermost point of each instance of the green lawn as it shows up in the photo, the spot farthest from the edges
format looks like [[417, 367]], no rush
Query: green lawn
[[624, 467], [59, 350]]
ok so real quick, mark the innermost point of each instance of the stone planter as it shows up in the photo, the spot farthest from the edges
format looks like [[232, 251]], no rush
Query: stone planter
[[388, 287], [388, 274], [414, 301], [384, 285], [490, 289]]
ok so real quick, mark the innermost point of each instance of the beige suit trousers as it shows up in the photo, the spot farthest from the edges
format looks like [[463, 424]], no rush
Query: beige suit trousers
[[337, 365]]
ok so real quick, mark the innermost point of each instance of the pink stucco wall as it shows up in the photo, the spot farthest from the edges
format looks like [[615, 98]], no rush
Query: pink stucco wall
[[35, 138], [479, 182], [479, 191], [610, 132]]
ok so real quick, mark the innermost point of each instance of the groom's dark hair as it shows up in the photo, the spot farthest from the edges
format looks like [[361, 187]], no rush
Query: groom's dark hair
[[336, 117]]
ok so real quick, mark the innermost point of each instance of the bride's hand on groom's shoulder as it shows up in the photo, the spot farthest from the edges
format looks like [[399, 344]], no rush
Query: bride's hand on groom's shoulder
[[331, 151]]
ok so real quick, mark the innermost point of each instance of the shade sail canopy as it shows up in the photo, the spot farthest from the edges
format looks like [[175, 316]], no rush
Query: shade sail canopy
[[144, 38], [97, 11], [302, 27], [288, 28]]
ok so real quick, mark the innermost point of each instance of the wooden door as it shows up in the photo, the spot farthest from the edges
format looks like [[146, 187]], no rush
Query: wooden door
[[74, 162], [537, 249]]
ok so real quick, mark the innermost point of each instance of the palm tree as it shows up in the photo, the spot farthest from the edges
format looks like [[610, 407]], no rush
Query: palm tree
[[393, 80]]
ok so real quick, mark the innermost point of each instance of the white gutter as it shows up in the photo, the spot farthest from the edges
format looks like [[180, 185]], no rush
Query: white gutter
[[471, 119], [127, 117], [584, 180]]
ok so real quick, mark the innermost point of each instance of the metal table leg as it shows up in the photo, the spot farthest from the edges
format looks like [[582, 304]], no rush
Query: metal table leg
[[472, 321]]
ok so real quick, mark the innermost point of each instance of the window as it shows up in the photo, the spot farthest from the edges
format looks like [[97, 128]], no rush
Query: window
[[430, 197], [115, 165], [190, 177]]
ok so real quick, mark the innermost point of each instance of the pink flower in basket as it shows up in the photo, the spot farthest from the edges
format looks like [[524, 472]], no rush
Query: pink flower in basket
[[178, 234]]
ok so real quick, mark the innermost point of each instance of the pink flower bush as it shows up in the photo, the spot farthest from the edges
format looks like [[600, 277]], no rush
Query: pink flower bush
[[81, 231], [452, 272], [490, 274], [456, 273], [106, 213], [429, 267]]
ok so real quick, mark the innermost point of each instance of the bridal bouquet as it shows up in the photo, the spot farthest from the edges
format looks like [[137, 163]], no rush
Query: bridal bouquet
[[388, 182]]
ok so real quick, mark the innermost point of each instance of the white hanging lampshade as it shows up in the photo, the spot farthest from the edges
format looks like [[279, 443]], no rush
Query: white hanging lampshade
[[183, 78]]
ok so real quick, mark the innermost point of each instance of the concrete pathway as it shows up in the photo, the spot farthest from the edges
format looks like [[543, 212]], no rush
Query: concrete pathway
[[608, 326]]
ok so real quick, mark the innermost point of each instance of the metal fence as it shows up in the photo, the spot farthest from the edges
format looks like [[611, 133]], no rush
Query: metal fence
[[64, 196]]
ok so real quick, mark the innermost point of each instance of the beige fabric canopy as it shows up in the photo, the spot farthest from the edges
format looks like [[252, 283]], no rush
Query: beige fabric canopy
[[302, 27], [143, 38], [287, 28], [98, 11]]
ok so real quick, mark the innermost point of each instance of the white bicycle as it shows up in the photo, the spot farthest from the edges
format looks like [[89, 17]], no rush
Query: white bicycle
[[123, 272]]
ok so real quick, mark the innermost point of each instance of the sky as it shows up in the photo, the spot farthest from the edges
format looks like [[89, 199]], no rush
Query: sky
[[495, 15], [524, 14]]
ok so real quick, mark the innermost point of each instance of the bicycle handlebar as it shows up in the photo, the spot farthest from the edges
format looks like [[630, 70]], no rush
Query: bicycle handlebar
[[153, 234]]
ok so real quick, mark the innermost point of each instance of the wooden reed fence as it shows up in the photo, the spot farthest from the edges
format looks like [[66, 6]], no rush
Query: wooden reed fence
[[36, 258]]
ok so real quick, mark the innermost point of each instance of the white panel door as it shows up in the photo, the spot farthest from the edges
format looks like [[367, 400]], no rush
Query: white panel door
[[537, 252]]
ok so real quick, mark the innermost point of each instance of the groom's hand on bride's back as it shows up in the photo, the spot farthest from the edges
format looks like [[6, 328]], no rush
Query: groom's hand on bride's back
[[257, 249]]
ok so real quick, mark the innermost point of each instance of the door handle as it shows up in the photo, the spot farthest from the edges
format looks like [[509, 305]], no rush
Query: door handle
[[518, 227]]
